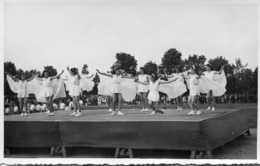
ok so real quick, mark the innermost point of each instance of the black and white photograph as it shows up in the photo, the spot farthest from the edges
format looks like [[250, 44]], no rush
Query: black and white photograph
[[130, 81]]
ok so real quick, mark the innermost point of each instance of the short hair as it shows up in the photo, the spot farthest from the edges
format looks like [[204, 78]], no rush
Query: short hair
[[155, 76], [142, 68], [45, 71], [211, 68], [178, 67], [74, 70]]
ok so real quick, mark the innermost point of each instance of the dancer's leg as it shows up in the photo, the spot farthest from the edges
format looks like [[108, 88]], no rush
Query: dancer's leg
[[21, 105], [25, 105]]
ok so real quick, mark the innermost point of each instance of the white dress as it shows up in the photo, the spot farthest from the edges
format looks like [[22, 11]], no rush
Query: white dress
[[142, 88], [210, 75], [22, 89], [174, 89], [47, 84], [154, 91], [214, 82], [75, 87], [116, 81], [194, 82]]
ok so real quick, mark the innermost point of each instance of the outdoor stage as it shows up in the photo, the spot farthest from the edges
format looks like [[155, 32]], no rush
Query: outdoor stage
[[134, 130]]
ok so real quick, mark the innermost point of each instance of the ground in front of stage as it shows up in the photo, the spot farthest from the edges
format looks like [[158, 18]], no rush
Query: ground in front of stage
[[244, 148]]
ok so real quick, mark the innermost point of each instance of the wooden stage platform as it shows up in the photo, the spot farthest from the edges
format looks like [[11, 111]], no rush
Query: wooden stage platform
[[134, 130]]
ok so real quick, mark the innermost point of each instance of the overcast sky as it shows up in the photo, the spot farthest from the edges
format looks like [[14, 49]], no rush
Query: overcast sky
[[61, 34]]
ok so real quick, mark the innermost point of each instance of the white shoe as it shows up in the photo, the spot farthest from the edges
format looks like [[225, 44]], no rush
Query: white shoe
[[153, 113], [120, 113], [78, 114], [25, 114], [47, 112], [208, 109], [143, 110], [21, 114], [110, 110], [73, 114], [198, 112], [113, 113], [180, 108], [213, 108], [191, 113], [147, 110], [50, 114]]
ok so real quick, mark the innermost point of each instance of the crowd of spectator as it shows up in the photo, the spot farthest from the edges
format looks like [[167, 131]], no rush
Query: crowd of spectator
[[11, 103]]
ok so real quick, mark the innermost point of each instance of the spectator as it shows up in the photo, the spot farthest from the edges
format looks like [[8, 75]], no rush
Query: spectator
[[32, 108], [62, 105], [81, 104], [71, 105], [55, 107], [44, 109], [16, 109], [67, 108], [7, 111]]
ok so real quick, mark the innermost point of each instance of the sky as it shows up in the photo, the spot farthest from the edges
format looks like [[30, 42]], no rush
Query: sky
[[39, 33]]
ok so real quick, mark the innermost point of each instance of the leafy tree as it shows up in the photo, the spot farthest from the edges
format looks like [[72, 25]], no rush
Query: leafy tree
[[254, 83], [85, 69], [195, 61], [150, 67], [10, 68], [51, 70], [170, 59], [126, 62], [217, 63]]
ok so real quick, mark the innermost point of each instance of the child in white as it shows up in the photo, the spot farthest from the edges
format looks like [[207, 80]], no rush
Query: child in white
[[194, 93], [210, 75], [180, 79], [48, 91], [153, 96], [115, 88], [22, 92], [142, 89], [75, 91]]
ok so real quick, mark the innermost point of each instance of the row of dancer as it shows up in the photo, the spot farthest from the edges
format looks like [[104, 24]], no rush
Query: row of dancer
[[46, 90], [154, 81]]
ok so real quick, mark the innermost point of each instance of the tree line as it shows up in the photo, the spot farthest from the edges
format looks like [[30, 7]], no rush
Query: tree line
[[241, 80]]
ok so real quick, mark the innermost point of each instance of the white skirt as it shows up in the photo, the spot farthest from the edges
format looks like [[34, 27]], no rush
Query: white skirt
[[115, 88], [153, 96], [194, 90], [75, 91], [22, 93], [48, 92], [142, 88]]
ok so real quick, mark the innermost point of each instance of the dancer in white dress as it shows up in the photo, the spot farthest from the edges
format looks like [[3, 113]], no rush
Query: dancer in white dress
[[194, 91], [115, 88], [153, 96], [142, 89], [210, 74], [180, 79], [75, 90], [48, 91], [22, 92]]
